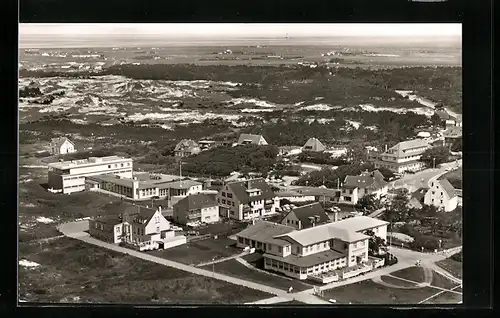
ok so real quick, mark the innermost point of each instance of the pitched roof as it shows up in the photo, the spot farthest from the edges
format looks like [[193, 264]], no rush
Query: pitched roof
[[240, 188], [185, 144], [419, 194], [59, 141], [314, 144], [372, 180], [442, 114], [401, 148], [305, 212], [446, 185], [111, 219], [264, 231], [180, 184], [138, 214], [254, 139], [318, 191], [323, 233], [196, 201], [359, 223]]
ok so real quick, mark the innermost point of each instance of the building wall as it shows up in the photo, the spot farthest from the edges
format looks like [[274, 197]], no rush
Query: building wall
[[101, 231], [157, 224], [356, 249], [292, 220], [305, 198], [312, 249], [349, 196], [210, 214], [438, 197]]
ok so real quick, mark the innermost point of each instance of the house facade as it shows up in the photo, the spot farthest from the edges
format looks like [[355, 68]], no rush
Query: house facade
[[60, 146], [246, 200], [404, 156], [316, 250], [356, 187], [196, 208], [69, 176], [140, 226], [442, 195], [249, 139]]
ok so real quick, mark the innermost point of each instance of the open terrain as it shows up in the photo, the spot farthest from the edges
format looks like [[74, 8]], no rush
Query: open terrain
[[67, 270]]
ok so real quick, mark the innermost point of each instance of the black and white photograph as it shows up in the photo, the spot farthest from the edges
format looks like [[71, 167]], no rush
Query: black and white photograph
[[240, 163]]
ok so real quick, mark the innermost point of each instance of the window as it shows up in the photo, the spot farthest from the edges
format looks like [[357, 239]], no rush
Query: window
[[280, 249], [324, 245], [287, 221], [96, 225], [432, 184], [121, 165], [157, 229], [109, 166], [223, 201], [223, 194], [118, 230], [441, 193], [441, 201], [298, 249], [230, 195], [232, 203]]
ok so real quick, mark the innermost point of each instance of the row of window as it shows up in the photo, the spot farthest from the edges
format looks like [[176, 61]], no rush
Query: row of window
[[229, 195], [434, 192], [74, 186], [74, 178], [121, 165], [292, 222], [441, 201]]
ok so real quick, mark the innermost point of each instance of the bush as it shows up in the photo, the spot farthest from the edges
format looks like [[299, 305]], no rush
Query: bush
[[457, 257], [429, 243], [390, 259]]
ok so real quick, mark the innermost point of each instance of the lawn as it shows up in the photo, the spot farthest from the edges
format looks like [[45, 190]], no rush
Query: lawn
[[455, 178], [238, 270], [414, 273], [451, 266], [439, 280], [445, 298], [72, 271], [369, 292], [200, 251], [396, 281]]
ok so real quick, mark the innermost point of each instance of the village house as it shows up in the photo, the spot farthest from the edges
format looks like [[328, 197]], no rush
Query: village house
[[314, 145], [451, 134], [356, 187], [249, 139], [60, 146], [404, 156], [442, 195], [206, 144], [306, 216], [186, 147], [143, 227], [337, 248], [69, 176], [196, 208], [245, 200], [417, 198]]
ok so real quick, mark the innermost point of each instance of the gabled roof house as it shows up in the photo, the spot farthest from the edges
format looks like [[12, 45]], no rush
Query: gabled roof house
[[249, 139], [313, 144]]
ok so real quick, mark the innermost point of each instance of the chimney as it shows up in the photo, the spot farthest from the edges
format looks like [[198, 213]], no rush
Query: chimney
[[316, 219], [312, 219]]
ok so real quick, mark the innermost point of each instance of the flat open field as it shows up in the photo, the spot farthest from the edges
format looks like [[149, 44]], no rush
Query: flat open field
[[72, 271], [369, 292], [445, 298], [236, 269], [200, 251], [453, 267], [414, 273]]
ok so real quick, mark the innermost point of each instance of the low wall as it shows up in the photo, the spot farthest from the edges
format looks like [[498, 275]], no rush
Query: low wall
[[174, 241], [324, 280]]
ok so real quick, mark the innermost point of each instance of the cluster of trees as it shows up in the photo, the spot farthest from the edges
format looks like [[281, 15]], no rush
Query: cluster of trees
[[221, 161], [322, 158], [435, 156], [456, 145], [330, 177], [368, 202], [376, 245], [285, 169]]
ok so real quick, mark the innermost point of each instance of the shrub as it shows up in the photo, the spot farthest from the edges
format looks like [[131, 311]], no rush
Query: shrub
[[429, 243], [457, 257]]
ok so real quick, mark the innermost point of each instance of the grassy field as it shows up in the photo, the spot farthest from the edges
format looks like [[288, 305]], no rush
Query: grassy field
[[72, 271], [453, 267], [439, 280], [414, 273], [236, 269], [445, 298], [369, 292], [200, 251], [455, 178], [396, 281]]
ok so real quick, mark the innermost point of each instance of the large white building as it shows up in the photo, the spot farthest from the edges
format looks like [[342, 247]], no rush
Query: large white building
[[69, 176], [442, 195], [338, 248], [404, 156]]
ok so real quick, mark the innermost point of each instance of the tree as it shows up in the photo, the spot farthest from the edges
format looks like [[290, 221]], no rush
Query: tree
[[375, 244], [368, 202], [436, 120], [435, 156], [397, 209], [457, 145]]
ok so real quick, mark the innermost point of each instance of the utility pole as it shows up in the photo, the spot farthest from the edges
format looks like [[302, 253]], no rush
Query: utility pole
[[434, 163]]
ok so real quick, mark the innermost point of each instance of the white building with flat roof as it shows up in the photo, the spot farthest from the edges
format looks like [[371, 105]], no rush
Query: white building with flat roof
[[69, 176]]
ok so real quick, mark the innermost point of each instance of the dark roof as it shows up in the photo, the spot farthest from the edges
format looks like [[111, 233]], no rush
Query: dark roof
[[419, 194], [196, 201], [240, 190], [371, 180], [138, 214], [310, 260], [264, 231], [184, 184], [450, 190], [305, 212], [111, 219], [318, 191], [442, 114]]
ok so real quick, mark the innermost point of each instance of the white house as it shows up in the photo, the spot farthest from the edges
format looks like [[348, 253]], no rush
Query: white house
[[356, 187], [196, 208], [249, 139], [442, 194], [60, 146], [404, 156], [245, 200]]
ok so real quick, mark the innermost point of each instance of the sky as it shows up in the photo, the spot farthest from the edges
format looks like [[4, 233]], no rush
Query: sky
[[240, 30]]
